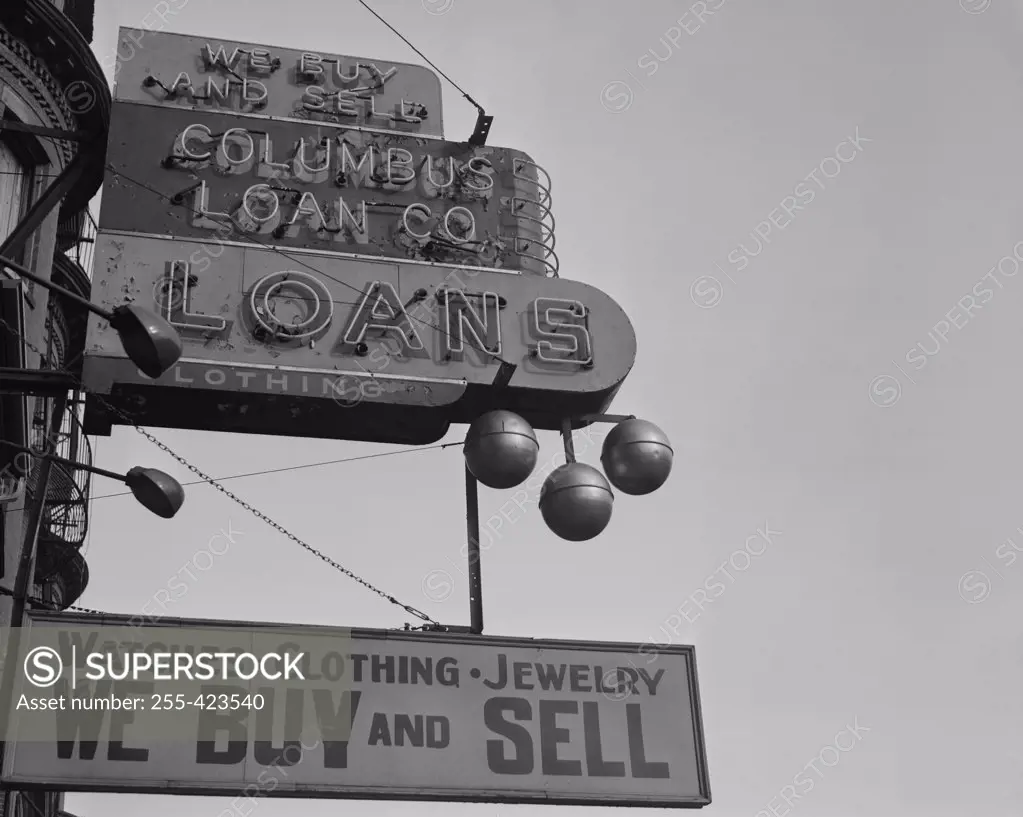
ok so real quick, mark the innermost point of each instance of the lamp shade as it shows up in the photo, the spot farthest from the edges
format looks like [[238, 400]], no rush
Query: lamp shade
[[157, 491], [150, 342]]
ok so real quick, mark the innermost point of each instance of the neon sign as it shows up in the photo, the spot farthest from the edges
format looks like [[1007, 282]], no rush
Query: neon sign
[[257, 80]]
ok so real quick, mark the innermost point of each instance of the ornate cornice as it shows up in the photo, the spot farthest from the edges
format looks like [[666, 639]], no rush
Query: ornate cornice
[[64, 78], [33, 77]]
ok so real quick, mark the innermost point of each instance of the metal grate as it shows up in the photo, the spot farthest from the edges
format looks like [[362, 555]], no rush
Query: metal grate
[[67, 500], [66, 515], [76, 237]]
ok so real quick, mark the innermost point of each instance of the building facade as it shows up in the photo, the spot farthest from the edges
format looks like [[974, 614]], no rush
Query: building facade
[[54, 116]]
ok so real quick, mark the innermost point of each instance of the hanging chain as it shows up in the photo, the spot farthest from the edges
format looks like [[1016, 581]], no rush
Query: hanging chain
[[255, 512]]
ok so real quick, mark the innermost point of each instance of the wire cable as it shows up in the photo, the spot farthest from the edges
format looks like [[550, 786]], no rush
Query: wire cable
[[254, 511], [308, 465], [421, 54]]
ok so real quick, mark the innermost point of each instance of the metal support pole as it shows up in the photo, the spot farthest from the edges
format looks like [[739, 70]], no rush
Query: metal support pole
[[79, 466], [26, 273], [42, 206], [566, 436], [472, 524], [22, 584]]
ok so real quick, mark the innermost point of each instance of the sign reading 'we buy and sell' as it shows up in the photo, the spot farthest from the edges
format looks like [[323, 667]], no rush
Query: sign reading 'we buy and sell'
[[358, 713]]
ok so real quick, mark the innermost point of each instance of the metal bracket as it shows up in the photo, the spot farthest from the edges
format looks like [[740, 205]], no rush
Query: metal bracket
[[40, 382], [605, 418], [479, 135]]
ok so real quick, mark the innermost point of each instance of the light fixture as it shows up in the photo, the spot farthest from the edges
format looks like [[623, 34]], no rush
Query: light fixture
[[150, 342], [156, 491]]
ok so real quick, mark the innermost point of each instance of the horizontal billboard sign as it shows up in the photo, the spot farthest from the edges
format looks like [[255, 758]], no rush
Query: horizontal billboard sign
[[305, 344], [204, 176], [251, 710], [196, 73]]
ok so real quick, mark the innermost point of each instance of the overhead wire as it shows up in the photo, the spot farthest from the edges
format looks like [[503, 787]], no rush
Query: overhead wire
[[421, 54], [307, 465]]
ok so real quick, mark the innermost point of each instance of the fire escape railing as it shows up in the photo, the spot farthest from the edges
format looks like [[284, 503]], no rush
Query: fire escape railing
[[76, 238], [66, 513]]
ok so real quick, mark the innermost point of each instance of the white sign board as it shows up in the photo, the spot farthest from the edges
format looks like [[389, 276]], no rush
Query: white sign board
[[376, 714]]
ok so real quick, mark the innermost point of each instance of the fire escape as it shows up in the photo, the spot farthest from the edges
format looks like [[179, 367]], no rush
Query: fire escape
[[61, 569]]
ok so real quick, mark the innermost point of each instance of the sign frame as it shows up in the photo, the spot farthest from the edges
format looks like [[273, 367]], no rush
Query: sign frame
[[334, 193], [335, 791], [417, 400]]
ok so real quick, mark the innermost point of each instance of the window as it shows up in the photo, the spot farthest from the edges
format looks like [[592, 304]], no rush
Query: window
[[12, 190], [21, 160], [15, 187]]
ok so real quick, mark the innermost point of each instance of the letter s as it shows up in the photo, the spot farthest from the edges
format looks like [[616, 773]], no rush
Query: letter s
[[1011, 556], [809, 191], [799, 783], [263, 782], [990, 293], [493, 716], [744, 260], [920, 357], [651, 64]]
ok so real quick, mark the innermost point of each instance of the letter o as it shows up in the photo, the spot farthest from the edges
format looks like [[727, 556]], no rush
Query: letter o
[[298, 749], [309, 288], [753, 552], [839, 745], [219, 552], [838, 167], [1008, 274], [212, 380], [470, 235], [235, 136], [404, 219], [731, 560], [195, 560], [238, 666], [263, 195], [833, 749], [1015, 250]]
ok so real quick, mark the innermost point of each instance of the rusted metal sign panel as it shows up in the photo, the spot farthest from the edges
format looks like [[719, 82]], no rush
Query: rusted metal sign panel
[[199, 175], [335, 713], [196, 73], [303, 344]]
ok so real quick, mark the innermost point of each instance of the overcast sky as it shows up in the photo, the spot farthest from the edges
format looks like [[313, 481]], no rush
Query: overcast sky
[[784, 367]]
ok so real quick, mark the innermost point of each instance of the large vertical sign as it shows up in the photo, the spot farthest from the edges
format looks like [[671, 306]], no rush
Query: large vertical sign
[[334, 267], [193, 707]]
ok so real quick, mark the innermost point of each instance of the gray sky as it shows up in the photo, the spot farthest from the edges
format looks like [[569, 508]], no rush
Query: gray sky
[[778, 382]]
